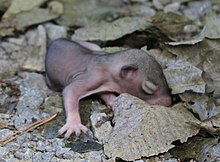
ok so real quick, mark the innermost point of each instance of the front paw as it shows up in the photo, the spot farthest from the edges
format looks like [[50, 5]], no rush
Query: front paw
[[70, 128]]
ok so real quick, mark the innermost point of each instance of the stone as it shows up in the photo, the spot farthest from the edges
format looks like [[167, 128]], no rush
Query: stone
[[157, 4], [38, 39], [27, 154], [4, 133], [3, 151], [37, 157], [172, 7], [47, 156], [55, 31], [94, 156], [101, 127], [28, 106], [40, 146], [196, 9], [61, 150]]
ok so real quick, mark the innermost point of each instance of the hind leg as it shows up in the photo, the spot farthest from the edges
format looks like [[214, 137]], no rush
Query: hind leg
[[51, 85], [108, 98]]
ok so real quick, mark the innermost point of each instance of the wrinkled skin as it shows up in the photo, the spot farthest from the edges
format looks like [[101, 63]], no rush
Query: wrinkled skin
[[80, 69]]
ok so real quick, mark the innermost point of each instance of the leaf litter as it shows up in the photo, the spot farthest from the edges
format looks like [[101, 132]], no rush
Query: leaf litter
[[191, 67], [146, 130]]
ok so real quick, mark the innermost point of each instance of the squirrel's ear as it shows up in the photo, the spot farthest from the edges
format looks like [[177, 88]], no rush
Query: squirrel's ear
[[128, 71], [149, 87]]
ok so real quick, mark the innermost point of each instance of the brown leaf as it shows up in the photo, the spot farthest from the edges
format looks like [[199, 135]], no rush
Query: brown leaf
[[170, 23], [202, 104], [25, 16], [204, 55], [111, 31], [182, 76], [146, 130], [19, 6]]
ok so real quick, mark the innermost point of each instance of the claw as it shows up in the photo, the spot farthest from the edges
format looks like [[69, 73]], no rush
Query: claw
[[70, 128]]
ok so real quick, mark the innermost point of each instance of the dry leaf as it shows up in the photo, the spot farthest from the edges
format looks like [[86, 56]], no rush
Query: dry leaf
[[24, 17], [19, 6], [211, 28], [211, 125], [4, 4], [85, 13], [205, 56], [146, 130], [202, 52], [182, 76], [170, 23], [195, 148], [37, 15], [111, 31], [202, 104]]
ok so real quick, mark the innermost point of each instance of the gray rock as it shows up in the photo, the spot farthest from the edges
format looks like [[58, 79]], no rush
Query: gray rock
[[37, 39], [94, 156], [157, 4], [47, 156], [55, 31], [101, 127], [171, 160], [49, 148], [9, 47], [60, 151], [54, 159], [33, 91], [33, 80], [4, 133], [142, 10], [28, 106], [25, 52], [11, 57], [57, 143], [25, 154], [196, 9], [210, 154], [139, 160], [37, 157], [3, 152], [11, 159], [40, 146], [17, 41], [13, 147], [165, 2], [69, 155], [172, 7], [37, 138], [23, 139]]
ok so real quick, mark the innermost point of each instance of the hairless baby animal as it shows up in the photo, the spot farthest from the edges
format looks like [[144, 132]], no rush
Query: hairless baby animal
[[80, 69]]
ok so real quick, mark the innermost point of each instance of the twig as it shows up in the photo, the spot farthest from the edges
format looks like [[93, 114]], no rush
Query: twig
[[24, 130]]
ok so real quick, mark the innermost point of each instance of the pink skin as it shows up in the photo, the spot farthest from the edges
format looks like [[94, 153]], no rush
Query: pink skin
[[73, 114], [79, 70]]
